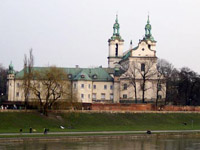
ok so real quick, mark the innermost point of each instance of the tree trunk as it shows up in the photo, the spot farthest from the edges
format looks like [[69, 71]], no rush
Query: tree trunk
[[45, 110], [157, 97], [135, 93], [143, 91]]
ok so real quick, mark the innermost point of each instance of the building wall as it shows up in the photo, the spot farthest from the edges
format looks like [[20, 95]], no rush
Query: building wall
[[112, 45], [19, 91], [144, 49], [114, 91], [112, 59], [84, 91], [11, 87], [150, 93], [101, 90], [145, 53], [16, 91]]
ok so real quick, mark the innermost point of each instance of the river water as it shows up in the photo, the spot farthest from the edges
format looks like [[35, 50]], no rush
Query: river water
[[109, 144]]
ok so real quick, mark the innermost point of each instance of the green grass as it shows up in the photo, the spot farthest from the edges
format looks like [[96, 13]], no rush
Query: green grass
[[12, 122]]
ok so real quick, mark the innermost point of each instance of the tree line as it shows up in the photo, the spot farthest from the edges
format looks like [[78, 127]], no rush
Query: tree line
[[3, 83], [182, 85]]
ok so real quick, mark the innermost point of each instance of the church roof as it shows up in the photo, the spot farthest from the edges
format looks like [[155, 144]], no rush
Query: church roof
[[128, 54], [85, 74]]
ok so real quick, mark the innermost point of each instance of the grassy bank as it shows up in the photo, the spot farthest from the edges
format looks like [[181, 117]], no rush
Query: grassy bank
[[12, 122]]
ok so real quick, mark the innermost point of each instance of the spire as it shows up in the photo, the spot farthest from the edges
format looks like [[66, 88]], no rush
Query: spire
[[11, 69], [116, 20], [116, 27], [148, 35], [148, 20]]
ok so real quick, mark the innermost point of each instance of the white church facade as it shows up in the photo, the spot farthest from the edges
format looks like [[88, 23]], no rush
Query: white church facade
[[131, 76]]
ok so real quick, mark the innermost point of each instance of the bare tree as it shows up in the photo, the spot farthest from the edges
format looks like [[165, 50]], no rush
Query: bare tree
[[170, 74], [3, 81], [160, 87], [50, 85], [147, 71], [140, 72], [28, 65], [131, 75]]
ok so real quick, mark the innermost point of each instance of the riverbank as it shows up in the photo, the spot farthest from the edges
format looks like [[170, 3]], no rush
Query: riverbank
[[12, 122], [98, 136]]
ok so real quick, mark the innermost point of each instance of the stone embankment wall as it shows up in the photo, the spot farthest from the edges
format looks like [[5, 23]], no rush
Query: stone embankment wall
[[181, 108], [123, 108], [141, 107]]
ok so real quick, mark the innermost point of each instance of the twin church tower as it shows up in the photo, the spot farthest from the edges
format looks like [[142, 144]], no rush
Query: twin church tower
[[116, 43]]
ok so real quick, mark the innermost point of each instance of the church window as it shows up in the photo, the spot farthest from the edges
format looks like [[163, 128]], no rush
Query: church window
[[111, 87], [103, 96], [17, 94], [82, 96], [124, 96], [94, 86], [111, 96], [142, 67], [88, 86], [75, 85], [89, 96], [149, 46], [143, 49], [82, 85], [105, 87], [116, 50], [125, 86], [94, 96]]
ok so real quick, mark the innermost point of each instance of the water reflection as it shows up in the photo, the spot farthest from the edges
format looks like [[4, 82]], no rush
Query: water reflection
[[131, 144]]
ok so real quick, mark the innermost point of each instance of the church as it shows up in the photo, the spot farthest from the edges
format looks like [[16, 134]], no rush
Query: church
[[131, 75]]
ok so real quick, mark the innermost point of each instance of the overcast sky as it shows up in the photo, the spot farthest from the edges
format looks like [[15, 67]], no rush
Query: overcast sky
[[66, 33]]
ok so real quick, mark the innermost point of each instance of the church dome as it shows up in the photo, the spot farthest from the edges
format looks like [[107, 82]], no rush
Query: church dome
[[11, 69]]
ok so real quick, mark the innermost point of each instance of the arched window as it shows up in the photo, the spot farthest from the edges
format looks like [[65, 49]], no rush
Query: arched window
[[149, 46], [142, 67], [125, 86], [116, 50]]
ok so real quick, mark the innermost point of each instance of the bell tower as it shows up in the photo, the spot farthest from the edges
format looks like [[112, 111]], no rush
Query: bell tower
[[149, 37], [115, 44], [10, 83]]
